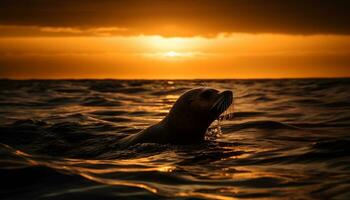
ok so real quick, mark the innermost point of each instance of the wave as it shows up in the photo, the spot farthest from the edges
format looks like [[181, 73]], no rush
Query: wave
[[247, 114], [269, 125], [71, 139], [100, 101], [275, 125]]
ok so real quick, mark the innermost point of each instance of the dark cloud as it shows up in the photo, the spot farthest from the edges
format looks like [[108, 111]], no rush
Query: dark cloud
[[184, 17]]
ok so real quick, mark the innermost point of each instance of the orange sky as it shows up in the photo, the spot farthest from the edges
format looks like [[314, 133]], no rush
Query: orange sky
[[163, 45]]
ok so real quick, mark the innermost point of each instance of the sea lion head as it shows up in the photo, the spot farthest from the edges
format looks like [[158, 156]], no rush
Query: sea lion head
[[194, 111]]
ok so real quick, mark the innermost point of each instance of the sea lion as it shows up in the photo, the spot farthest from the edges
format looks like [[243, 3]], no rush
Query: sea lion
[[188, 119]]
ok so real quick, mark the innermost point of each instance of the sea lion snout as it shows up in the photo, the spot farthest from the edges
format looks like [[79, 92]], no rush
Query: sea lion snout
[[228, 97], [227, 94], [224, 100]]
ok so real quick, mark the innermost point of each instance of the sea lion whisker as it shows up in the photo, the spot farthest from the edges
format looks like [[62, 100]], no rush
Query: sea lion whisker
[[225, 104], [220, 105], [216, 104], [221, 108]]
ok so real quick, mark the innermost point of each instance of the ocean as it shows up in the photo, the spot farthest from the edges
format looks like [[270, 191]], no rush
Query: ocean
[[287, 139]]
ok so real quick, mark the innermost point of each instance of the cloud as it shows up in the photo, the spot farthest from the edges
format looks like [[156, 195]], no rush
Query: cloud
[[100, 31], [11, 31], [179, 17]]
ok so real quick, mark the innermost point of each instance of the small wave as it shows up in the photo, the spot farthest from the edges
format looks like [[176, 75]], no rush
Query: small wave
[[308, 101], [119, 86], [252, 95], [329, 152], [108, 112], [60, 101], [27, 182], [116, 119], [70, 139], [340, 119], [334, 145], [121, 113], [71, 90], [100, 101], [247, 114], [264, 99], [171, 91], [325, 124], [269, 125], [132, 90], [106, 86], [337, 104]]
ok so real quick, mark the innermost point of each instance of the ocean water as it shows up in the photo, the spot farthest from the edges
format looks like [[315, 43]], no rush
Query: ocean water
[[288, 139]]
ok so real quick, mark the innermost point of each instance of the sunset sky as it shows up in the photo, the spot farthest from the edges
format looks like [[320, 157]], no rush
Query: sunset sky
[[157, 39]]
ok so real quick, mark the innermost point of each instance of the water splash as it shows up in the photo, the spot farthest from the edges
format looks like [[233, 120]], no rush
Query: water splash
[[215, 131]]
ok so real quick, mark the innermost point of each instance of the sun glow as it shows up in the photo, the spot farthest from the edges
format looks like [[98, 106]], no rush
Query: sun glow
[[171, 49], [170, 44], [235, 56], [172, 54], [177, 55]]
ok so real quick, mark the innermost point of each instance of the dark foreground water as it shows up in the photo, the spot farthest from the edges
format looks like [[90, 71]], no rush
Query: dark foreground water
[[288, 139]]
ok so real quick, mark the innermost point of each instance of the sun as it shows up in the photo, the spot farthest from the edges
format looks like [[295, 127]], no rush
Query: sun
[[171, 49], [171, 54], [175, 44]]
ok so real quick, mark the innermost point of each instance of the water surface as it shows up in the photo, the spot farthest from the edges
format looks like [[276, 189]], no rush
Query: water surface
[[288, 139]]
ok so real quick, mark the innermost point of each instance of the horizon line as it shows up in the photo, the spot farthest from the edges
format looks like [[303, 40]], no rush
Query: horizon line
[[170, 79]]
